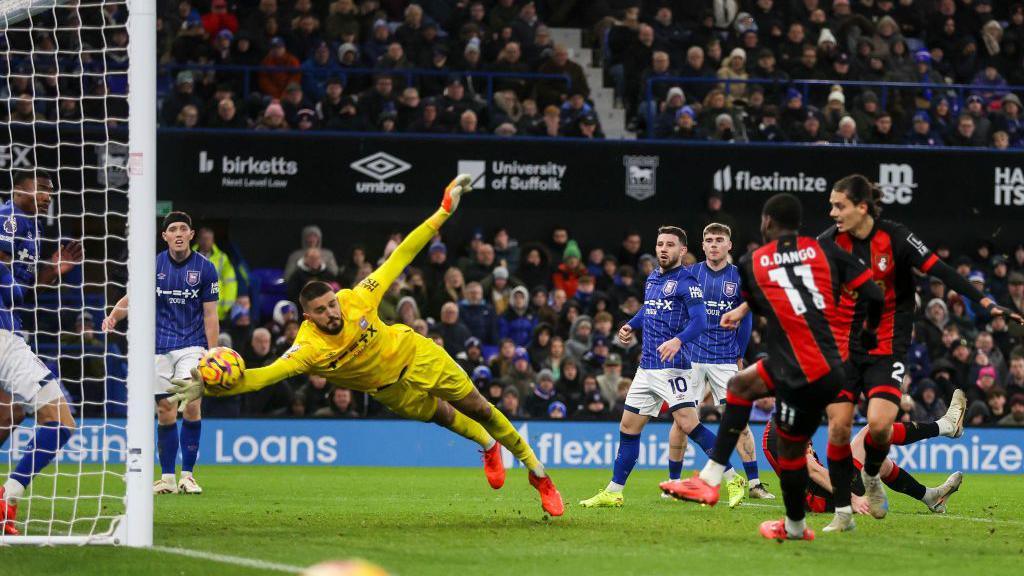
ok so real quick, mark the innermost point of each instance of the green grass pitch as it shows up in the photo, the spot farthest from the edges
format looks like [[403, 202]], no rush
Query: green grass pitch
[[449, 522]]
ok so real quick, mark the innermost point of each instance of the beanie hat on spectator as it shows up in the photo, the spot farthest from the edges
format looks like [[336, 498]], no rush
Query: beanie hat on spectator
[[986, 371], [274, 110], [649, 257], [482, 374], [765, 53], [687, 111], [346, 48], [521, 354], [501, 273], [842, 58], [738, 53], [589, 119], [472, 46], [510, 391], [837, 95], [225, 33], [675, 91], [437, 247], [1012, 98], [521, 289], [185, 77], [976, 276], [572, 250], [379, 23], [869, 96], [556, 405], [237, 311], [1016, 278], [923, 56], [545, 374], [826, 35], [793, 93], [921, 116], [284, 307], [471, 342], [1016, 399], [613, 360], [307, 115], [277, 42], [975, 98]]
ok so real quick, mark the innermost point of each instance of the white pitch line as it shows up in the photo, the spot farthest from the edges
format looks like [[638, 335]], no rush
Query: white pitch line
[[226, 559], [950, 516]]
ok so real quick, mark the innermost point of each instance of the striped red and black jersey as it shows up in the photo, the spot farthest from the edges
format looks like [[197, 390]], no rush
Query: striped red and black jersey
[[891, 251], [795, 283]]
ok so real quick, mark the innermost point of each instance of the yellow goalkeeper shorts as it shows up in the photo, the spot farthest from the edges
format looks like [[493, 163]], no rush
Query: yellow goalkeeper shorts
[[432, 375]]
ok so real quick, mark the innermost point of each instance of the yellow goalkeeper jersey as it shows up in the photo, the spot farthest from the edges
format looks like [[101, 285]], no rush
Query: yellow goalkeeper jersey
[[367, 354]]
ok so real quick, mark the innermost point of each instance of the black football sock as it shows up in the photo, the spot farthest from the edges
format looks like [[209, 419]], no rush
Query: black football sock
[[913, 432], [734, 421], [900, 481], [874, 455], [840, 472], [793, 479]]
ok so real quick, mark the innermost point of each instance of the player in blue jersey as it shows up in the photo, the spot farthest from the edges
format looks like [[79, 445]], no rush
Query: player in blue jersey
[[20, 235], [717, 355], [671, 317], [186, 325], [24, 380]]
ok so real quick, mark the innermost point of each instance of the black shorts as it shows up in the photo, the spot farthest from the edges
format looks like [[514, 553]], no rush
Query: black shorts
[[799, 409], [875, 376]]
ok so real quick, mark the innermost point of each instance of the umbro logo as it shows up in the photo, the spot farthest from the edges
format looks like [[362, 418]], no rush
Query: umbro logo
[[380, 166]]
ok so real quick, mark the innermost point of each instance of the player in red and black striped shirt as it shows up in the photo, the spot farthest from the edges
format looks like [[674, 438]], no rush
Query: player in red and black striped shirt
[[795, 282], [891, 252]]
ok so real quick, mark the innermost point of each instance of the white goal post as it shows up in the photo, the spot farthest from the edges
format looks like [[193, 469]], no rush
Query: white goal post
[[99, 488]]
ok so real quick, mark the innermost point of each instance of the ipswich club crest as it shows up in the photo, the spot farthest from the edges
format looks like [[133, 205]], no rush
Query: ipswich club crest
[[729, 289], [10, 225], [669, 288], [192, 277]]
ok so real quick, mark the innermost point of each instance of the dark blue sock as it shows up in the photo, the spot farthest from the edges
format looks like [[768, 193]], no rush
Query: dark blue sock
[[751, 469], [191, 430], [50, 437], [167, 445], [705, 439], [675, 470], [629, 451]]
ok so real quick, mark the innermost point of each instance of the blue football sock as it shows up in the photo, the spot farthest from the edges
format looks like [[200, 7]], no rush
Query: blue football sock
[[675, 469], [705, 439], [751, 469], [629, 451], [191, 430], [167, 445], [50, 437]]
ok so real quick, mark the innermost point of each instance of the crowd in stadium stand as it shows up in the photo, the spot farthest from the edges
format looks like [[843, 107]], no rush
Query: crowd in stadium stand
[[716, 69], [534, 323]]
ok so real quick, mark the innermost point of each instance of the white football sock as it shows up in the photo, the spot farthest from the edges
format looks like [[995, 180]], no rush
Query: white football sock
[[845, 510], [613, 487], [490, 444], [712, 473], [945, 427], [13, 490], [185, 474], [754, 482], [795, 528], [167, 478], [729, 474]]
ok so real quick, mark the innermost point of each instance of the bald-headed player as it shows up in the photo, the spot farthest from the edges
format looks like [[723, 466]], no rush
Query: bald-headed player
[[344, 340]]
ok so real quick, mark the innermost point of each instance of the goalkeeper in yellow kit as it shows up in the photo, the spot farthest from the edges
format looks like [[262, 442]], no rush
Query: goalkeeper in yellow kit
[[343, 340]]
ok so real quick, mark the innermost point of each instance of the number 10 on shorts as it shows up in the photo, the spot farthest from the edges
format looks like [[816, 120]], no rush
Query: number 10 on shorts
[[678, 384]]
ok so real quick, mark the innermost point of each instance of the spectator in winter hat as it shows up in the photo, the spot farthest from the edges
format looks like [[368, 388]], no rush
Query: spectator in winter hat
[[517, 323], [686, 127], [985, 381], [544, 393], [982, 125], [274, 83], [566, 277], [921, 133]]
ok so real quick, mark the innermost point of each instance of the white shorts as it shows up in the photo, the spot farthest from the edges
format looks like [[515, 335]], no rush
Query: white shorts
[[715, 376], [24, 376], [177, 364], [652, 387]]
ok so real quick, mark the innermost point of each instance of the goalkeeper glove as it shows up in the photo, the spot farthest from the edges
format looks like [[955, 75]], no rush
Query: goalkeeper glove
[[462, 184], [184, 391]]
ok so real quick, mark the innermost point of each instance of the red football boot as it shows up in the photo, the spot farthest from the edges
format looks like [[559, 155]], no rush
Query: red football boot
[[550, 499], [8, 512], [776, 530], [693, 489], [493, 466]]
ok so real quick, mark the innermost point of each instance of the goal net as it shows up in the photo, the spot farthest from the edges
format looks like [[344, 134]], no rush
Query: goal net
[[64, 106]]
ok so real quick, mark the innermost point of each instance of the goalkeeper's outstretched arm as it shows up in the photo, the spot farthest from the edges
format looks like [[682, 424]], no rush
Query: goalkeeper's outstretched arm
[[374, 286]]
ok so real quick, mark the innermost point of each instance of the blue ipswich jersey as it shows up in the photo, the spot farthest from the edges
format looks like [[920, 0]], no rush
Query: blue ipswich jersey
[[19, 238], [665, 314], [721, 289], [181, 290], [10, 295]]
